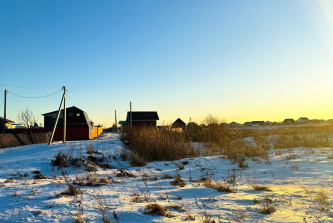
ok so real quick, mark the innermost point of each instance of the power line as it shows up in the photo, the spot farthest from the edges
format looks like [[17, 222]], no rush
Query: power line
[[123, 110], [34, 97], [5, 85]]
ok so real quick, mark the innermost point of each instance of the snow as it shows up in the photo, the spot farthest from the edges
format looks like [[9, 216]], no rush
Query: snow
[[296, 178]]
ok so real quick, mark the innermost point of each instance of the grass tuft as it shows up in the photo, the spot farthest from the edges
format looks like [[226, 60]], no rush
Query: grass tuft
[[157, 209], [178, 181]]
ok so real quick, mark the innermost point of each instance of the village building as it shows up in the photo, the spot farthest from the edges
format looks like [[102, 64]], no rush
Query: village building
[[289, 121], [78, 126], [8, 124], [303, 120], [178, 124], [75, 118], [139, 119], [235, 124], [247, 124], [257, 123]]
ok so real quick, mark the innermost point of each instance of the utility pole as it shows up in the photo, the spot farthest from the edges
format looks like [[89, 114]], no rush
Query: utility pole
[[115, 117], [56, 122], [131, 114], [4, 113], [64, 114]]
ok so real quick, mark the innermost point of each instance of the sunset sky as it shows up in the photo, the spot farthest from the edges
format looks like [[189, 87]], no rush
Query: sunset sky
[[238, 60]]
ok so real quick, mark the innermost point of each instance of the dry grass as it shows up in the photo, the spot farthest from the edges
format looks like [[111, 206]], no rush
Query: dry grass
[[157, 209], [267, 206], [136, 198], [91, 180], [79, 220], [322, 198], [103, 207], [208, 183], [189, 217], [178, 181], [219, 186], [267, 209], [136, 160], [9, 180], [16, 194], [90, 150], [152, 144], [71, 190], [259, 187], [242, 163]]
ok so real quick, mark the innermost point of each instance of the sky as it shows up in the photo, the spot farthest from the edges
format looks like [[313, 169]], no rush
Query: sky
[[237, 60]]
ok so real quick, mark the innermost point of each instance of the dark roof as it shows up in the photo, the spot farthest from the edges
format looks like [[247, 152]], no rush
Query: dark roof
[[70, 108], [7, 120], [179, 122], [258, 122], [143, 116]]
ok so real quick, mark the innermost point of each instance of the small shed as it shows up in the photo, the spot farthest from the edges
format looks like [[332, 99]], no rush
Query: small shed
[[178, 124]]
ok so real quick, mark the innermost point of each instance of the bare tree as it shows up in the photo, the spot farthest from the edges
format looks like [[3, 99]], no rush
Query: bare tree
[[27, 118]]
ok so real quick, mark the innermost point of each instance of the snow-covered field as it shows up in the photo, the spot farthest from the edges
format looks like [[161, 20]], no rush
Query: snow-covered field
[[300, 183]]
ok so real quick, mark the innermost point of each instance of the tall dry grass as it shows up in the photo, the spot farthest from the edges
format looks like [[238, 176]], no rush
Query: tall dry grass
[[152, 144], [216, 138]]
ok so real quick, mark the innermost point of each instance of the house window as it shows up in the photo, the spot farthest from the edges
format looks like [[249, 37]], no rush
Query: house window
[[70, 114], [78, 114]]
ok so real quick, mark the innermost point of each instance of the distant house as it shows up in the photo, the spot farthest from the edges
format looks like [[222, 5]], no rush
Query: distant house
[[123, 125], [75, 118], [303, 120], [235, 124], [247, 124], [192, 125], [178, 124], [140, 119], [78, 125], [257, 123], [289, 121], [8, 124]]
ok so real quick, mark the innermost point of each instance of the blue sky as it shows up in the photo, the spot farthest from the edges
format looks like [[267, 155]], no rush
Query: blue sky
[[238, 60]]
